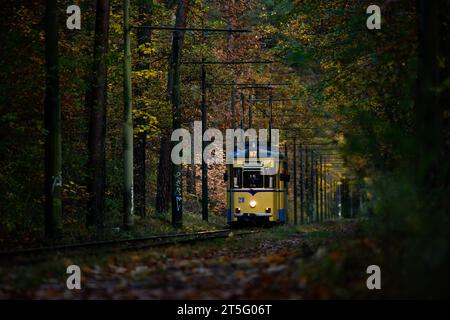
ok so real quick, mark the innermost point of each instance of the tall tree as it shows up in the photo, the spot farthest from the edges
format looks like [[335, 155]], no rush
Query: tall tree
[[143, 37], [164, 182], [175, 97], [165, 169], [127, 121], [294, 148], [97, 123], [53, 175]]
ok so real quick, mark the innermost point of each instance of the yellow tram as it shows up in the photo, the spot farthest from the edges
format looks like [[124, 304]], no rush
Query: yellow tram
[[253, 196]]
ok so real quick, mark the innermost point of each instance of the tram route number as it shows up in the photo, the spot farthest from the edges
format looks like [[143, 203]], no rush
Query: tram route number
[[225, 309]]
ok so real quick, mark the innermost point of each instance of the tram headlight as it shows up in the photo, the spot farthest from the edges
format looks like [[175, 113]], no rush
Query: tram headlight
[[237, 210], [253, 203]]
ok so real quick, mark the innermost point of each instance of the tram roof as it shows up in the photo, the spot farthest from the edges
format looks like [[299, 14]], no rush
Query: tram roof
[[244, 153]]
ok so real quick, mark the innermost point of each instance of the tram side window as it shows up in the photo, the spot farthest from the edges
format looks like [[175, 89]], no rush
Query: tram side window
[[270, 182], [253, 179], [236, 181]]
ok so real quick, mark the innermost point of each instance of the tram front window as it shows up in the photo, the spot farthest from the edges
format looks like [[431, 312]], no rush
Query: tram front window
[[270, 181], [253, 179], [237, 178]]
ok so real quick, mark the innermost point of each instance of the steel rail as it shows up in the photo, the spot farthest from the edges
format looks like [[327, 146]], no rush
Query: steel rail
[[140, 241]]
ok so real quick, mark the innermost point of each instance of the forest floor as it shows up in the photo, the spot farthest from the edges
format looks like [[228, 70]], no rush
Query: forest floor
[[306, 262]]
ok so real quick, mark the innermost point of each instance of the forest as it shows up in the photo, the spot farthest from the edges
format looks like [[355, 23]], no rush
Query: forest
[[87, 113]]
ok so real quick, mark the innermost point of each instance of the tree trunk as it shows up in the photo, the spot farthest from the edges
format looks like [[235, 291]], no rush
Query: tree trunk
[[205, 196], [294, 172], [321, 190], [163, 191], [165, 183], [190, 169], [97, 124], [312, 189], [175, 97], [301, 184], [128, 197], [307, 188], [143, 36], [345, 199], [52, 111]]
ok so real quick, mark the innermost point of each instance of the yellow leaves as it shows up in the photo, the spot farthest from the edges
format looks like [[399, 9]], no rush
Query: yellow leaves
[[269, 29], [74, 189], [146, 49], [145, 74], [116, 28], [116, 22], [327, 65], [148, 122]]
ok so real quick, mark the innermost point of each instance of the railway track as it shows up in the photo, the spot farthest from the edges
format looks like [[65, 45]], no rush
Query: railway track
[[120, 244]]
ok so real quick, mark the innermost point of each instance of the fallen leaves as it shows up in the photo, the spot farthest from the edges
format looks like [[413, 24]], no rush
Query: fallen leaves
[[286, 268]]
